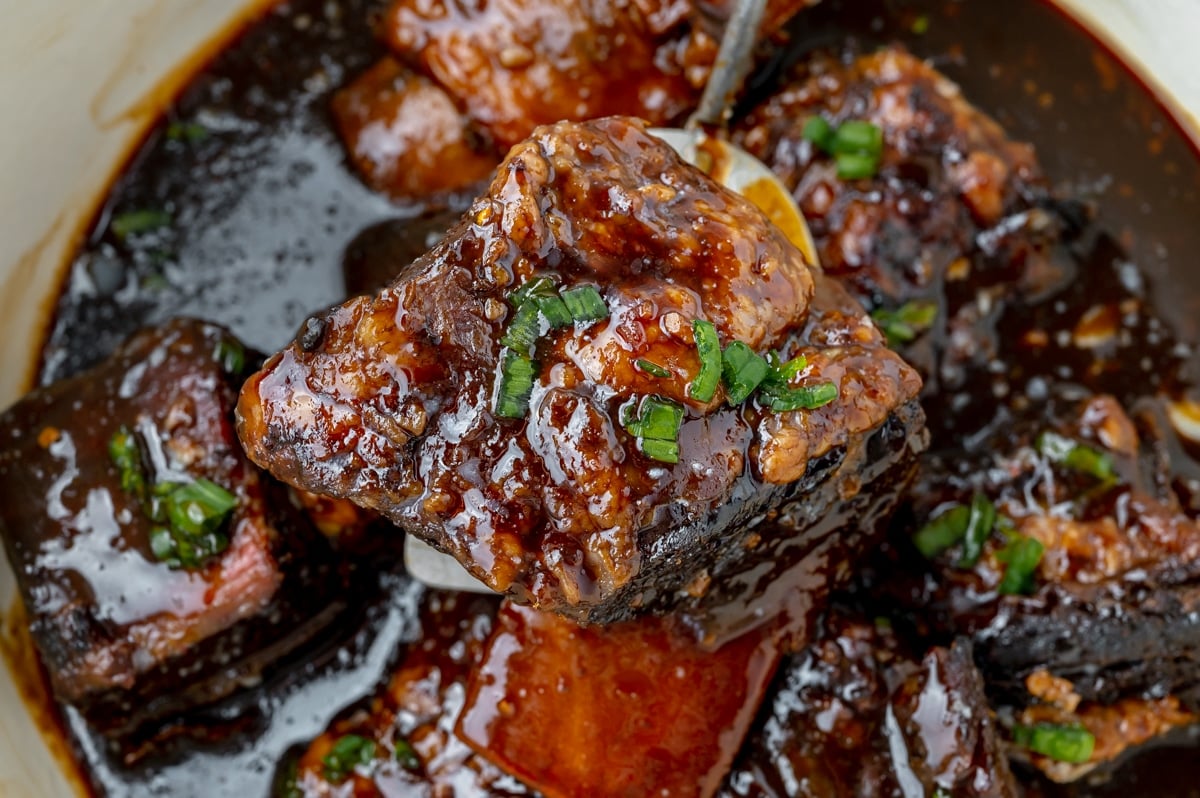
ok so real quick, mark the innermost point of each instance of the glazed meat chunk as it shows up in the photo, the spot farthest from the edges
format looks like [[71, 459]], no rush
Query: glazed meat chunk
[[406, 137], [1056, 548], [593, 464], [512, 65], [159, 568], [955, 221], [854, 715]]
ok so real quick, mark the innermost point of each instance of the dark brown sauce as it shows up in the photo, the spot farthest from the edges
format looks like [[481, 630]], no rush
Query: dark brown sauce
[[263, 209]]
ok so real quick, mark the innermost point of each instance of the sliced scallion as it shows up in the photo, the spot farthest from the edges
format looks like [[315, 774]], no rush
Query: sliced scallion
[[943, 531], [652, 368], [1021, 557], [663, 451], [1061, 743], [538, 286], [708, 346], [585, 303], [350, 751], [818, 130], [1076, 456], [856, 165], [123, 449], [857, 137], [555, 311], [143, 221], [805, 397], [981, 521], [523, 330], [655, 423], [905, 323], [514, 386], [743, 371], [405, 754], [231, 355], [781, 372]]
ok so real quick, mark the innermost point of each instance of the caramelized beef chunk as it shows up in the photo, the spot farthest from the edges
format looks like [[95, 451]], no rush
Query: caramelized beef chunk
[[512, 65], [853, 715], [129, 629], [406, 137], [402, 741], [390, 400], [957, 215]]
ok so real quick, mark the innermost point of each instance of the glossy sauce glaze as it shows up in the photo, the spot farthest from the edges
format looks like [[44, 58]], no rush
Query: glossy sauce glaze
[[253, 208]]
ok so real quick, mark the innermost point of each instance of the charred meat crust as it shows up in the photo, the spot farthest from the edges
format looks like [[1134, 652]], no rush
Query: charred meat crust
[[391, 404], [123, 636]]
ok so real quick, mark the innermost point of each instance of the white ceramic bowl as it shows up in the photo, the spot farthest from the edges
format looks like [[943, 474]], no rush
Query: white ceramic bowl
[[80, 80]]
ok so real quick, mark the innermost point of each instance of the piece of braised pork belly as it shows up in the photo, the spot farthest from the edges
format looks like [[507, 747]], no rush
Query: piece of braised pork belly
[[572, 395], [402, 741], [952, 219], [1057, 549], [160, 568], [854, 715]]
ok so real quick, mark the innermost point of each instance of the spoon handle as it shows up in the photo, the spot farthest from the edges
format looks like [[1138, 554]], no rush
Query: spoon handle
[[732, 64]]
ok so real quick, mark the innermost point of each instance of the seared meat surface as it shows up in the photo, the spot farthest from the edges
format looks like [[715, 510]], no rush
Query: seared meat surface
[[854, 715], [138, 615], [402, 741], [393, 400]]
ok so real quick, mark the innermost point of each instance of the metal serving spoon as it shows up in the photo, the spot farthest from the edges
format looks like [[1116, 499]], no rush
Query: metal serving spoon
[[726, 163]]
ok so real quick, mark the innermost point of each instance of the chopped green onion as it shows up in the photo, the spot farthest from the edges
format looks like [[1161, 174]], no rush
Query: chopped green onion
[[134, 222], [190, 132], [1021, 557], [818, 130], [515, 385], [585, 303], [781, 373], [943, 531], [856, 165], [920, 25], [663, 451], [405, 754], [1061, 743], [538, 286], [808, 397], [905, 323], [857, 137], [523, 330], [652, 368], [196, 513], [162, 545], [231, 355], [555, 311], [123, 449], [656, 419], [199, 507], [743, 370], [708, 345], [655, 423], [980, 523], [1076, 456], [288, 785], [347, 753]]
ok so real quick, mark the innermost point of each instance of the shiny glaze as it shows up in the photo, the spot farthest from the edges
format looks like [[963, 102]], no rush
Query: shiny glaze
[[387, 400], [116, 627], [270, 176]]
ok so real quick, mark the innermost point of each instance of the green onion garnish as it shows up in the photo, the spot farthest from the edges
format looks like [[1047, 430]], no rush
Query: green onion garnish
[[652, 368], [808, 397], [585, 303], [1076, 456], [981, 521], [125, 454], [134, 222], [942, 532], [708, 345], [857, 138], [743, 370], [655, 423], [555, 311], [781, 373], [663, 451], [1021, 557], [1061, 743], [196, 513], [515, 384], [523, 330], [347, 753], [538, 286], [856, 165], [190, 132], [818, 130], [231, 355], [920, 25], [905, 323], [405, 754]]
